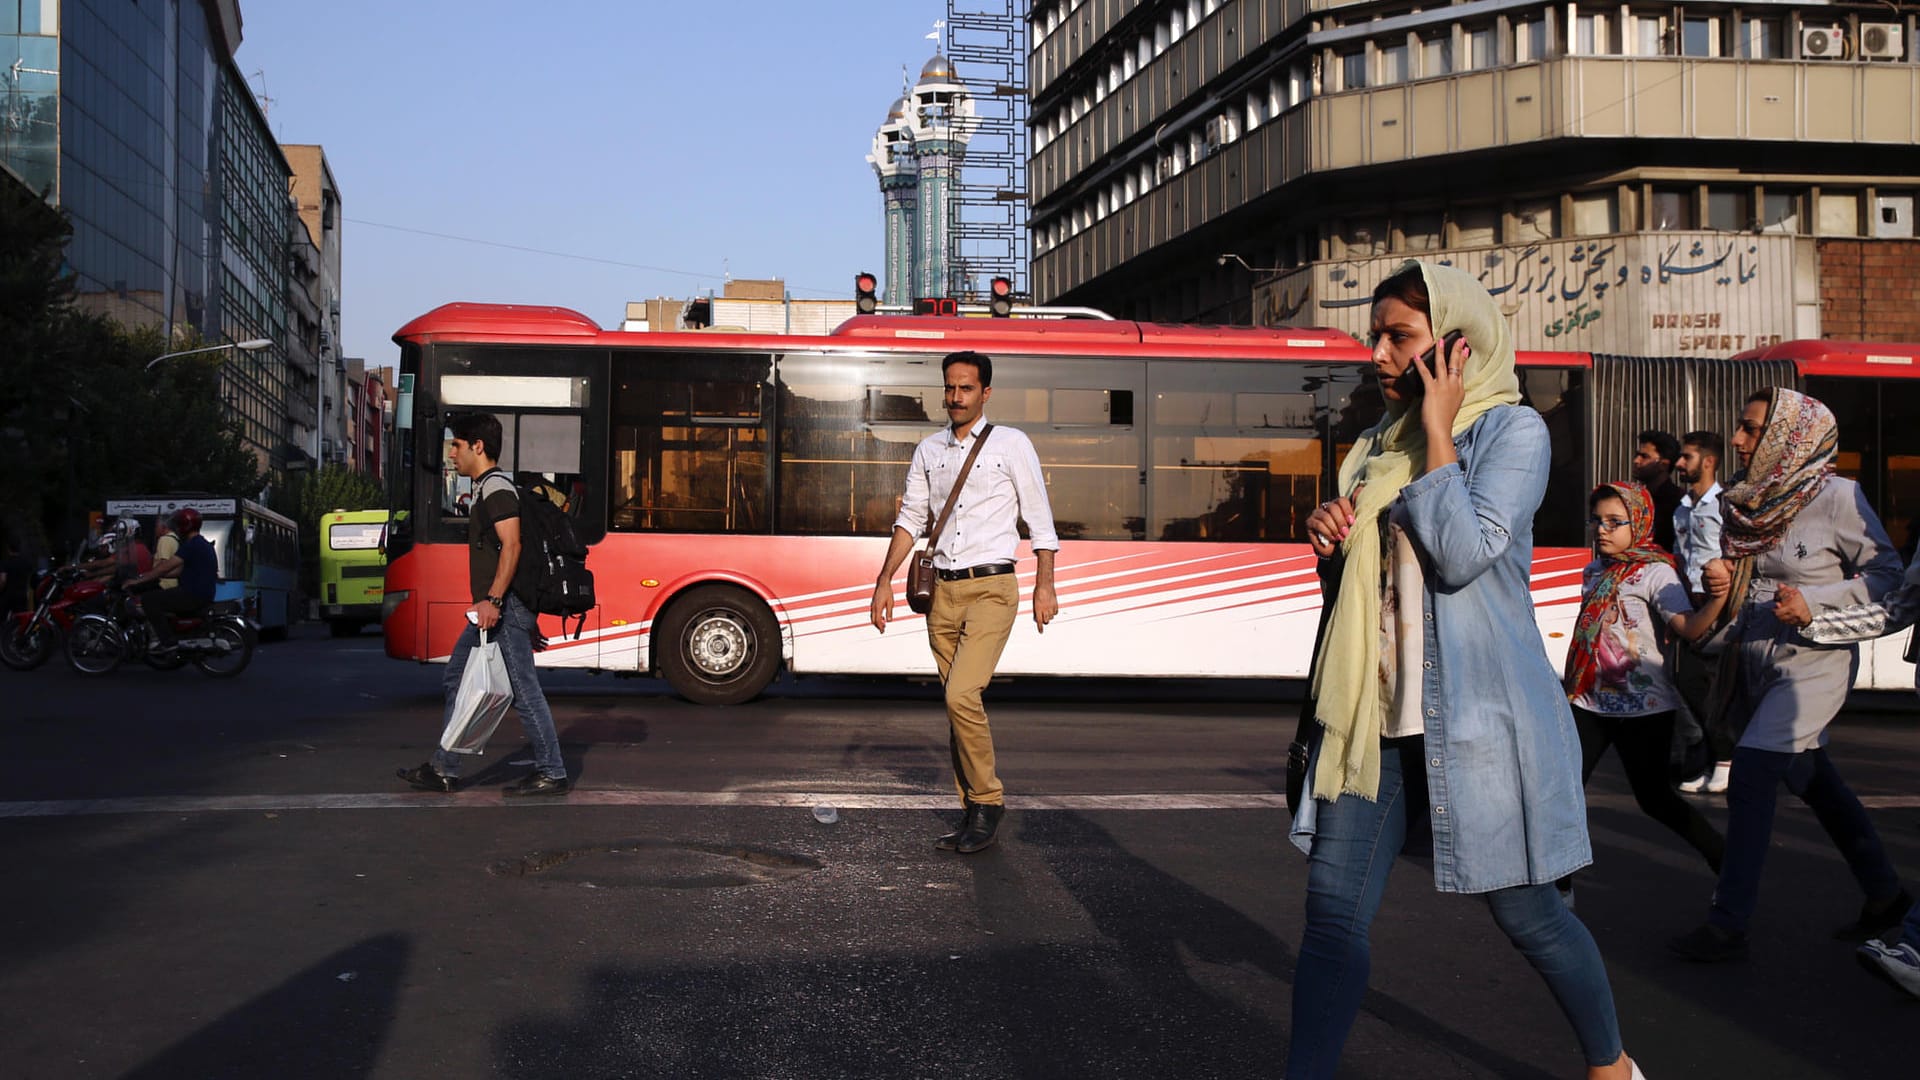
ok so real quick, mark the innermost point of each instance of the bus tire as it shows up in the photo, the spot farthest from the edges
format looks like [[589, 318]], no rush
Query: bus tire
[[717, 645]]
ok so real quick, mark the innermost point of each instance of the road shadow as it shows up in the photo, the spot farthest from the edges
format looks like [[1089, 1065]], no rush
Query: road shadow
[[329, 1021]]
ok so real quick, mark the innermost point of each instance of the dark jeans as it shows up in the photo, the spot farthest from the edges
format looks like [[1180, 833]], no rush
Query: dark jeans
[[1693, 676], [1752, 790], [163, 605], [1354, 846], [514, 632], [1642, 742]]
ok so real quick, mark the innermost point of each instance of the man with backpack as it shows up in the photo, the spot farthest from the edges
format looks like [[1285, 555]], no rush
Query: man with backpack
[[494, 542]]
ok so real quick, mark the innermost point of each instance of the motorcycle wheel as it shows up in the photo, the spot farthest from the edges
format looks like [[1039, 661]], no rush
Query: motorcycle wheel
[[22, 650], [231, 653], [94, 645]]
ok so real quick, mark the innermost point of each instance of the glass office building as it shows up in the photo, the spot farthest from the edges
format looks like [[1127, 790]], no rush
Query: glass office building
[[133, 119]]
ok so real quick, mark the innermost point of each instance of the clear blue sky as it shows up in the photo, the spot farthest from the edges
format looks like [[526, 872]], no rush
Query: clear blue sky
[[691, 138]]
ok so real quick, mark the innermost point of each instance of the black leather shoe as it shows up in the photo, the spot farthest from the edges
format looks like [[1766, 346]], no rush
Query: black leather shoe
[[427, 778], [1709, 944], [537, 783], [979, 835], [1876, 919], [952, 839]]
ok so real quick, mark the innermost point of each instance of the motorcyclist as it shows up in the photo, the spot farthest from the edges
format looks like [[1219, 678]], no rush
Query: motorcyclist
[[197, 565], [121, 556]]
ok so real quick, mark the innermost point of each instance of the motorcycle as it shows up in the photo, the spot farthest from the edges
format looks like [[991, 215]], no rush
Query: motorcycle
[[219, 643], [30, 637]]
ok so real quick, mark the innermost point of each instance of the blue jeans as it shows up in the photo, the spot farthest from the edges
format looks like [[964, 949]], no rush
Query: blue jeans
[[514, 632], [1752, 789], [1353, 851]]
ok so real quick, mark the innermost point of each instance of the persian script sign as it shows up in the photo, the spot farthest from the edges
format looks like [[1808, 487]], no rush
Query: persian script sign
[[1650, 294]]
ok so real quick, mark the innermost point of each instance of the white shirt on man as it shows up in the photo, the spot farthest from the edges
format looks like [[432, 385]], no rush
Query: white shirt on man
[[1004, 488], [1696, 535]]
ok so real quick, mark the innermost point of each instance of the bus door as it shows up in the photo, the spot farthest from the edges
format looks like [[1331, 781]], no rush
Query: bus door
[[549, 402]]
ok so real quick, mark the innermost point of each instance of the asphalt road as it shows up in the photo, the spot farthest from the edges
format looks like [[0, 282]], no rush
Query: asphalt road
[[223, 879]]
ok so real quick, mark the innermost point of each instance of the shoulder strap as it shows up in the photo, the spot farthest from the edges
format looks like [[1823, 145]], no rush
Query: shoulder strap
[[954, 495]]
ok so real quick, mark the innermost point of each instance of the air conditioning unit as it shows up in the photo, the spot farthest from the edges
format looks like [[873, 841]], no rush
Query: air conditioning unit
[[1822, 43], [1881, 41]]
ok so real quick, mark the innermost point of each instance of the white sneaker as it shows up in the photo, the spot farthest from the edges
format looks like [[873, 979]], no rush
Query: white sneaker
[[1637, 1074], [1898, 963], [1713, 781]]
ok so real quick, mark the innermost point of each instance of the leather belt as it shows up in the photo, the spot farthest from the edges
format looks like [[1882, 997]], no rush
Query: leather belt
[[987, 570]]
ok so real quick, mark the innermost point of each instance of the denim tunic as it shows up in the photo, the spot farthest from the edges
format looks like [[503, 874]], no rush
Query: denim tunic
[[1506, 804]]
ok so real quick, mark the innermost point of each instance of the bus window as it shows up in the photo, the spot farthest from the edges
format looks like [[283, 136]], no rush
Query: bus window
[[1237, 457], [847, 432], [1877, 448], [690, 444], [1090, 451]]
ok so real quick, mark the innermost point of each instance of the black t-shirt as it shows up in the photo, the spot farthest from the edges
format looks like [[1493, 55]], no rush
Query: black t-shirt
[[1666, 499], [199, 567], [494, 500]]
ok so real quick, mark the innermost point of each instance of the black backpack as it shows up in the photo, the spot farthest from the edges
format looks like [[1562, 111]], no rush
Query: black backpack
[[552, 577]]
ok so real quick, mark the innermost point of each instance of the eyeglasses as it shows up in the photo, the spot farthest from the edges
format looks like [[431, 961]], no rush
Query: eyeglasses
[[1608, 524]]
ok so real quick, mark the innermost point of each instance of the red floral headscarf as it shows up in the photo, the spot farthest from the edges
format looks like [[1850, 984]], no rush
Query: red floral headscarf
[[1601, 606]]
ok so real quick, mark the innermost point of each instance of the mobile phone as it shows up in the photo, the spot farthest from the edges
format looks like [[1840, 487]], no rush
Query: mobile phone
[[1411, 384]]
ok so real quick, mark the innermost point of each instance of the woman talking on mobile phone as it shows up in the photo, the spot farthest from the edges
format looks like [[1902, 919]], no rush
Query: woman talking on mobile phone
[[1439, 714]]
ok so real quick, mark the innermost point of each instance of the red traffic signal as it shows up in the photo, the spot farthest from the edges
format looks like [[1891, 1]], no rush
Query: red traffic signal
[[864, 300], [1000, 299]]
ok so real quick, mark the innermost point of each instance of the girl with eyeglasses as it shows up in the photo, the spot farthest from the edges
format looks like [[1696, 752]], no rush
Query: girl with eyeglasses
[[1631, 597]]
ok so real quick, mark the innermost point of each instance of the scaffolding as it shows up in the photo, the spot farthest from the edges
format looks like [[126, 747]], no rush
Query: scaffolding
[[987, 213]]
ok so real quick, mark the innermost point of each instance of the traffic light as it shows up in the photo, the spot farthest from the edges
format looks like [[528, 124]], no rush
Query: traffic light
[[864, 300], [1000, 299]]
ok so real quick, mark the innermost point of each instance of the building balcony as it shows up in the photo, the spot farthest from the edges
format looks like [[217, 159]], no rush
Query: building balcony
[[1598, 97]]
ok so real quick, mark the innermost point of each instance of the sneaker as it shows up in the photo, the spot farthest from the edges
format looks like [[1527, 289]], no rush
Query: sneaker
[[427, 778], [1713, 781], [539, 783], [1708, 944], [1876, 919], [1898, 963]]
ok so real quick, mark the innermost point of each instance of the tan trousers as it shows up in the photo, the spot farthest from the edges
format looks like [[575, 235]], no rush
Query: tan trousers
[[968, 628]]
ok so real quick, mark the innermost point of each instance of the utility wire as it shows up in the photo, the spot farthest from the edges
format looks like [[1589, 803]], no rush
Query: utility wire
[[566, 254]]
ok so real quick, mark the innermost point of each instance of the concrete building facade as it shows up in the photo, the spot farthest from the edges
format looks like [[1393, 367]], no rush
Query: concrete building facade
[[1638, 178]]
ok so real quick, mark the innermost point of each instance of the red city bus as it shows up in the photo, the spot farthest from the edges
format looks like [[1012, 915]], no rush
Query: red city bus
[[737, 490]]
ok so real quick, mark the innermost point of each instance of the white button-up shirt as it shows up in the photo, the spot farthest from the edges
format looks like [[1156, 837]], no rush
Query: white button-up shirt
[[1696, 535], [1004, 489]]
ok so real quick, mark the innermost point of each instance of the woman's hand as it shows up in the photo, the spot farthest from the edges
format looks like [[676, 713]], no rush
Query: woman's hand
[[1329, 524], [1790, 607], [1446, 389]]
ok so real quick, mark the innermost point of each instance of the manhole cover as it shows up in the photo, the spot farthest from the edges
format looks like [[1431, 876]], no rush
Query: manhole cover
[[659, 864]]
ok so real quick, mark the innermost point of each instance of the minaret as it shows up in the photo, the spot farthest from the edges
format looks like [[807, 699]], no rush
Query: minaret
[[894, 160], [942, 117]]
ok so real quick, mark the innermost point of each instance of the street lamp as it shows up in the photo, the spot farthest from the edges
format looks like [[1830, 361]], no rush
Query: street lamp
[[1224, 257], [251, 345]]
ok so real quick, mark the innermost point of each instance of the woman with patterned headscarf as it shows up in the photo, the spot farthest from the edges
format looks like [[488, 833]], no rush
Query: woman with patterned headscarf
[[1617, 680], [1789, 521], [1438, 712]]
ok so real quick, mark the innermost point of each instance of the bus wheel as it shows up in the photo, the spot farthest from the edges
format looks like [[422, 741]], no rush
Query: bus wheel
[[717, 645]]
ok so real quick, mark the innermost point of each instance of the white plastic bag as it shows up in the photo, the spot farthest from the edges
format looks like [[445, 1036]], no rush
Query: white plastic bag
[[482, 701]]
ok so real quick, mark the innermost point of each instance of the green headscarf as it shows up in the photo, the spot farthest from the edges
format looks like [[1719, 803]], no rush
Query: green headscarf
[[1384, 459]]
